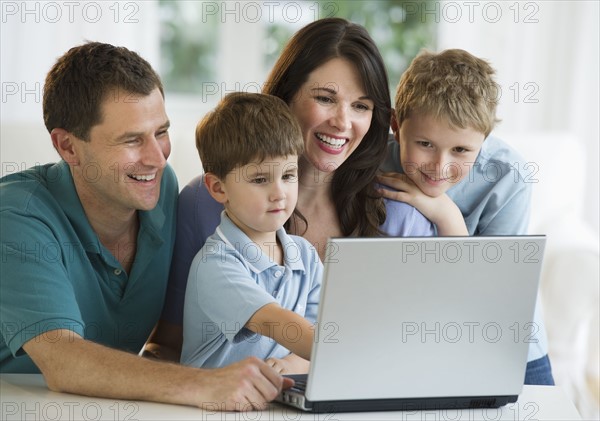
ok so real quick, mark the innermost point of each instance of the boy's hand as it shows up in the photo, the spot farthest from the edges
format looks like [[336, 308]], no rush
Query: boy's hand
[[440, 210], [290, 364]]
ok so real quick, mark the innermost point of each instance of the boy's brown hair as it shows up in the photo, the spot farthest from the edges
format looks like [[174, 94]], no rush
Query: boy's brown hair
[[454, 85], [245, 127]]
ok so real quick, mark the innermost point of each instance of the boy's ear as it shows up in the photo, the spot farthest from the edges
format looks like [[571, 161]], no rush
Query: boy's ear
[[64, 143], [394, 126], [215, 187]]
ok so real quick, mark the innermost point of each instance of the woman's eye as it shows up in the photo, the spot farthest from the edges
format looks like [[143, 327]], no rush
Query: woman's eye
[[362, 107], [324, 99]]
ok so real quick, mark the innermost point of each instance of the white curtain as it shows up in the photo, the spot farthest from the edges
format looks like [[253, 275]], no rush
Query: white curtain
[[546, 55], [34, 34]]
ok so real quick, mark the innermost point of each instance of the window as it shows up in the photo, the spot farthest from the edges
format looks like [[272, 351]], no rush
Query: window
[[207, 45]]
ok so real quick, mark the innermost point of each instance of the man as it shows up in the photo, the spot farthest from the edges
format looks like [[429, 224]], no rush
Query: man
[[87, 244]]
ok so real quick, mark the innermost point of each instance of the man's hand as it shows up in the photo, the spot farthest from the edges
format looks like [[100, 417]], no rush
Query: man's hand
[[247, 385], [440, 210]]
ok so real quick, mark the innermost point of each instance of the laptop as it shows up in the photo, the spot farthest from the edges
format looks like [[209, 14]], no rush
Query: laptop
[[421, 323]]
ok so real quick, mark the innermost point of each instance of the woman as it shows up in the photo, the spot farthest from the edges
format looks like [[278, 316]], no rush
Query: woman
[[332, 76]]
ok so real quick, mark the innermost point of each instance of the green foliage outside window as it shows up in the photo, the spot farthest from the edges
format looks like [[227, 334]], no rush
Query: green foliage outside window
[[188, 46], [189, 36]]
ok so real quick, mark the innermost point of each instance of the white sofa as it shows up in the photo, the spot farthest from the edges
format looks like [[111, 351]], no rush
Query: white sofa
[[569, 287]]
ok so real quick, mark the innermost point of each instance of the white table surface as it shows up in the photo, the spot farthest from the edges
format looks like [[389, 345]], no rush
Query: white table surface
[[26, 397]]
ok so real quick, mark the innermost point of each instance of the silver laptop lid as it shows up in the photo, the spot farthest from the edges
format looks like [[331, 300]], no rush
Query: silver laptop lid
[[425, 317]]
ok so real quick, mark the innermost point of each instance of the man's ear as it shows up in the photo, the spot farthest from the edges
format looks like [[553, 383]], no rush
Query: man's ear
[[215, 187], [394, 126], [64, 143]]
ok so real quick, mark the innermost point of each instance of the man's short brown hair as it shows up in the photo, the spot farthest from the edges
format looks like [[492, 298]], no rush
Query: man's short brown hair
[[84, 77]]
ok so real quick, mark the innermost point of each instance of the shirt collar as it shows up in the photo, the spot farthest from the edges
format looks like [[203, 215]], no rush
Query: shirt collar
[[61, 186], [235, 238]]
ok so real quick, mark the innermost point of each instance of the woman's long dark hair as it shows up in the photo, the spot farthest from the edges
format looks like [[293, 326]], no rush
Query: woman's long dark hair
[[360, 208]]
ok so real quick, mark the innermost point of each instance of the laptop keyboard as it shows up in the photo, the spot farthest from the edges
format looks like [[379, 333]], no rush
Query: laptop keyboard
[[300, 382]]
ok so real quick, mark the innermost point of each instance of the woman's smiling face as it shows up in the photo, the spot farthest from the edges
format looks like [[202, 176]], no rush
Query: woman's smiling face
[[334, 113]]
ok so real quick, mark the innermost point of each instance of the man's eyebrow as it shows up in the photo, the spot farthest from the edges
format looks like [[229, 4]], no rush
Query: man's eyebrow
[[334, 92], [128, 135]]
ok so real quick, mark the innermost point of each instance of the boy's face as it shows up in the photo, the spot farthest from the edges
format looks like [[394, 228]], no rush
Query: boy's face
[[261, 196], [435, 155]]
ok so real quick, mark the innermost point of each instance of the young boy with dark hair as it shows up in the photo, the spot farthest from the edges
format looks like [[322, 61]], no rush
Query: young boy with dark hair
[[252, 290]]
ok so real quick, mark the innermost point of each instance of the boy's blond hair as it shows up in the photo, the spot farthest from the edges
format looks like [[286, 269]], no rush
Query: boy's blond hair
[[245, 127], [454, 85]]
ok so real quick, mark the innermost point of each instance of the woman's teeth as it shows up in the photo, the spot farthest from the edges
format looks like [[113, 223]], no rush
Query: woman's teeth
[[331, 141]]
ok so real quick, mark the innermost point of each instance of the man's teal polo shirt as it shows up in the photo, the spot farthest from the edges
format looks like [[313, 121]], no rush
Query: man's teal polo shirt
[[55, 273]]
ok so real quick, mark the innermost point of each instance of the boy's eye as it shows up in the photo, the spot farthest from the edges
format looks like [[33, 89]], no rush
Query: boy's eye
[[289, 177], [460, 149], [424, 144], [259, 180]]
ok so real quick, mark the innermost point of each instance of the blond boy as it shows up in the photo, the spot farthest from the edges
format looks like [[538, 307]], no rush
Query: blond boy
[[443, 161]]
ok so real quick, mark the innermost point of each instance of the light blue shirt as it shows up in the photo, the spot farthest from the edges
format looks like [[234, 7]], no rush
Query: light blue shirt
[[494, 199], [55, 273], [229, 280]]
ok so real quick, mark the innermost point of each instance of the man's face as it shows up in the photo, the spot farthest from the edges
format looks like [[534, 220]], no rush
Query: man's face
[[121, 166], [436, 155]]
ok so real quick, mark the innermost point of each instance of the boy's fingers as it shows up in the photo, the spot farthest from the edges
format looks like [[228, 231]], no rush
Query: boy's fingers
[[393, 179], [398, 196]]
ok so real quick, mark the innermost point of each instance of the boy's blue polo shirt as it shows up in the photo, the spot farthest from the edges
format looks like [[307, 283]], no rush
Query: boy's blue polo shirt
[[57, 275], [229, 280]]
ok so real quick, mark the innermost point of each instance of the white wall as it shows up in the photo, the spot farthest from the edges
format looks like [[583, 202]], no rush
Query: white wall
[[33, 35]]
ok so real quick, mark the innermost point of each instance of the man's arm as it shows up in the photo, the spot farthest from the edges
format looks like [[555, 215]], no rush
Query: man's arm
[[289, 329], [72, 364]]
